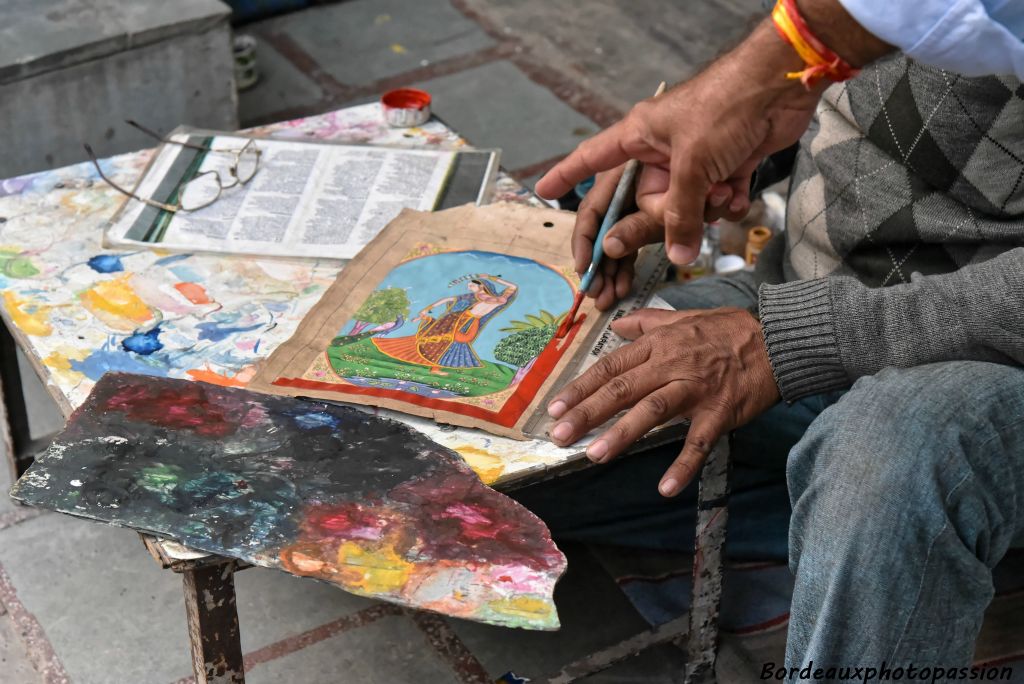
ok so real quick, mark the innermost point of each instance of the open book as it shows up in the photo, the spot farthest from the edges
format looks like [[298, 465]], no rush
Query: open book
[[452, 315], [289, 198]]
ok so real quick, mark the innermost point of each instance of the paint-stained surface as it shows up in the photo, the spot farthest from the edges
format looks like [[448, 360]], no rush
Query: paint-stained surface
[[319, 490], [81, 310]]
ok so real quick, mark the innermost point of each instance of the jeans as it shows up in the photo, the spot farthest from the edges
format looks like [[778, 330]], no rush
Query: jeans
[[903, 493]]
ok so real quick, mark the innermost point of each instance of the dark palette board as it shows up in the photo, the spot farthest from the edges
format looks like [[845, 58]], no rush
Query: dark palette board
[[315, 489]]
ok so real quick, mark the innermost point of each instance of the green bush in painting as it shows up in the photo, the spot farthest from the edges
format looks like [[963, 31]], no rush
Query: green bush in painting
[[382, 306], [528, 339]]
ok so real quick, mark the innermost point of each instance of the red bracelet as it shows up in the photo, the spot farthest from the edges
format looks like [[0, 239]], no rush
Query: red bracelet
[[820, 60]]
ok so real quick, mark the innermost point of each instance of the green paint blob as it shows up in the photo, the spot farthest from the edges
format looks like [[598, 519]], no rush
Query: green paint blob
[[14, 266]]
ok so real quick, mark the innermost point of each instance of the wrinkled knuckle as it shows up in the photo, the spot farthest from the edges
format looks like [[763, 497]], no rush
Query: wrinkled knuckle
[[656, 405], [619, 389], [701, 443], [584, 415], [673, 217], [608, 367]]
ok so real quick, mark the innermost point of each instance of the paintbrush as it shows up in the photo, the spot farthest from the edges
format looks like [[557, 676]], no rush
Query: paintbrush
[[611, 217]]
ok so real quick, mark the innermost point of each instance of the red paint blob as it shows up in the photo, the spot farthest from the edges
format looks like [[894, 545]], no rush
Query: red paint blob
[[406, 98]]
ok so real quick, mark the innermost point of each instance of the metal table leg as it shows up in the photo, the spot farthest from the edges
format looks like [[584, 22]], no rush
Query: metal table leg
[[712, 516], [210, 609], [213, 624], [699, 629]]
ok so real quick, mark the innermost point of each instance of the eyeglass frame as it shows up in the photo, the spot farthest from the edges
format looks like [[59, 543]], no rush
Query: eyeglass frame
[[174, 208]]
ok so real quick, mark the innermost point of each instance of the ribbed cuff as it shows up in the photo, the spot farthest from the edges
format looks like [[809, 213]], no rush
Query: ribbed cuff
[[799, 331]]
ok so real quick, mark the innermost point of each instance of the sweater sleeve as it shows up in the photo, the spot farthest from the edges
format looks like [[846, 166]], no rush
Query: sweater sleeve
[[824, 333]]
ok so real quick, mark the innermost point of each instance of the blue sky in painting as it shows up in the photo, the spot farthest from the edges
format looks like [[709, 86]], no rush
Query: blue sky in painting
[[428, 279]]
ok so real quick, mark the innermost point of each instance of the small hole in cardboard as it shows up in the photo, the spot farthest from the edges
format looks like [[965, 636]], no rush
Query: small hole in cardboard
[[549, 224]]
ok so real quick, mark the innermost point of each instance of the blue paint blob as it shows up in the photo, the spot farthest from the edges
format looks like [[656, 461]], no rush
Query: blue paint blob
[[213, 331], [315, 419], [103, 360], [106, 263], [143, 343], [166, 261]]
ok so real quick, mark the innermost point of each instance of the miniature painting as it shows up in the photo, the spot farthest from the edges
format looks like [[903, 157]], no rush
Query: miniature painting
[[460, 329]]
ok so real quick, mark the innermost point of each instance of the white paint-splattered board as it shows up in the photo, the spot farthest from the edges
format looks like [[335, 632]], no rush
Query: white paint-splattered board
[[79, 310]]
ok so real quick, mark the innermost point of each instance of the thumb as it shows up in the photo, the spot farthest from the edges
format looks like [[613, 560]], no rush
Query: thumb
[[643, 321]]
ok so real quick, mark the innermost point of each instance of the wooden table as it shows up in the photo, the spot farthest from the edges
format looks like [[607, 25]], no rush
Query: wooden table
[[69, 315]]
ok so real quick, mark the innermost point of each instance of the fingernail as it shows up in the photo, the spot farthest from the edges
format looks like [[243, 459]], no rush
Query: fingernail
[[736, 204], [668, 486], [614, 247], [597, 451], [719, 199], [557, 408], [561, 432], [680, 255]]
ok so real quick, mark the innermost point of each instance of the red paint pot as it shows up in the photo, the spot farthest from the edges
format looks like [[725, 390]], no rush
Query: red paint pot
[[406, 107]]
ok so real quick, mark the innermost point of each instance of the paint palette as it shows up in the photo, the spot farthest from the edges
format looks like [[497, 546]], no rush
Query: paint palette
[[317, 490]]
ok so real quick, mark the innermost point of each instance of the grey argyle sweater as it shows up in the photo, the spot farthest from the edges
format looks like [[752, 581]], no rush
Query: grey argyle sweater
[[904, 240]]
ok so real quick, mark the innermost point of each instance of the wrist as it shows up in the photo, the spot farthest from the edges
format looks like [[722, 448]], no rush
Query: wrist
[[765, 59], [829, 21]]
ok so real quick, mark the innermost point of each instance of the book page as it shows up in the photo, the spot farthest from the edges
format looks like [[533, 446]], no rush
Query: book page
[[306, 199]]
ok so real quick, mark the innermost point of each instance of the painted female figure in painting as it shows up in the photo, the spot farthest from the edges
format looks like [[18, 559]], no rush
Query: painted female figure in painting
[[446, 341]]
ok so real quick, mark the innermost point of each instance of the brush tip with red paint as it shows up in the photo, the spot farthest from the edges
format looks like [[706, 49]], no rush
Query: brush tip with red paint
[[570, 317]]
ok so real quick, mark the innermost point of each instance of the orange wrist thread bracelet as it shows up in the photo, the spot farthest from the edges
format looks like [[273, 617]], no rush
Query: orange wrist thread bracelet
[[820, 60]]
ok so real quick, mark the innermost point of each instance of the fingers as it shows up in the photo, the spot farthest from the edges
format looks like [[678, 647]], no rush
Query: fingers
[[602, 152], [624, 278], [683, 212], [617, 363], [651, 411], [605, 297], [589, 216], [611, 397], [644, 321], [630, 234], [704, 431]]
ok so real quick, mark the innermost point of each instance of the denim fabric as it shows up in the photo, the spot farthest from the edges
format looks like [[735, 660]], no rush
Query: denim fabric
[[903, 493]]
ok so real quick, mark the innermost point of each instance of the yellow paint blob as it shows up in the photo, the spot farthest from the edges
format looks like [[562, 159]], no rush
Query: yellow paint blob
[[27, 315], [398, 48], [526, 607], [487, 466], [372, 570], [59, 362], [115, 303]]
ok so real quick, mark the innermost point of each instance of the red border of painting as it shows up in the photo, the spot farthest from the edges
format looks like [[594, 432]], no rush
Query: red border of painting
[[506, 417]]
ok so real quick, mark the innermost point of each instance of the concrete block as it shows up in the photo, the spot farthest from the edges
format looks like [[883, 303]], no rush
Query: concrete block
[[281, 86], [385, 651], [496, 105], [72, 75], [363, 41]]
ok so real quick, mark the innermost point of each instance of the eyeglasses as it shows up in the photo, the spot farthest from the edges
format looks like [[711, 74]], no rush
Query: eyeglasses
[[205, 188]]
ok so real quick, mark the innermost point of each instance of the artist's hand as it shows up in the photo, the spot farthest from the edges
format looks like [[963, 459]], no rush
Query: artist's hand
[[636, 229], [707, 365], [700, 137]]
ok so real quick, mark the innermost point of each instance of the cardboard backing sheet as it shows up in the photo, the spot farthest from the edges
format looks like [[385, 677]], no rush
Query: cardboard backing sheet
[[449, 315]]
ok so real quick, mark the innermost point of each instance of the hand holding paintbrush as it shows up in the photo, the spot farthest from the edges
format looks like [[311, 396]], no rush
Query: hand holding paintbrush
[[611, 217]]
